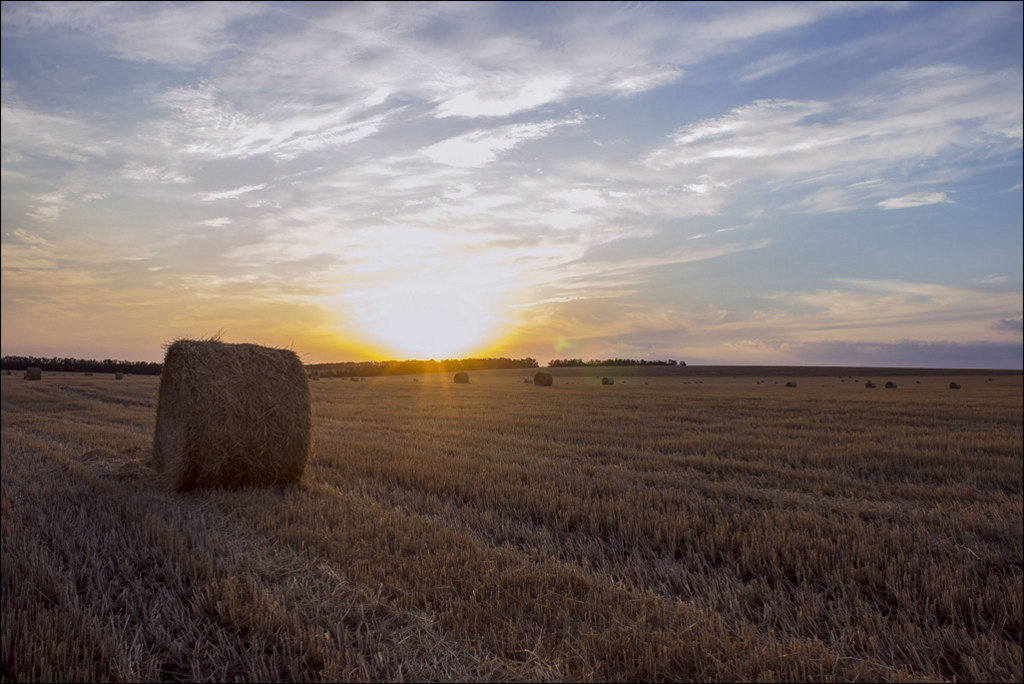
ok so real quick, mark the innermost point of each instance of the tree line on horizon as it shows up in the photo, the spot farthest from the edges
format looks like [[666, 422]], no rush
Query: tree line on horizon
[[347, 369], [72, 365], [334, 369], [572, 363]]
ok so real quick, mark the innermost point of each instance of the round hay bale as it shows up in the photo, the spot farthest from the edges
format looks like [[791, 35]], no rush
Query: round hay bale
[[354, 379], [461, 377], [890, 385], [543, 379], [870, 385], [954, 385], [119, 376], [231, 415], [791, 383], [528, 381], [33, 373], [607, 381]]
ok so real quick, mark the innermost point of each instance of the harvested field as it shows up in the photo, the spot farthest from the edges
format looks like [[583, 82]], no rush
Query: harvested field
[[716, 529]]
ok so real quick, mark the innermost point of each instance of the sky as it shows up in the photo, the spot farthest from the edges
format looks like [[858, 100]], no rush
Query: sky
[[750, 183]]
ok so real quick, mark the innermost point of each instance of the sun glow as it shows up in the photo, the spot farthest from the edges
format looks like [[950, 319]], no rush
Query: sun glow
[[437, 316]]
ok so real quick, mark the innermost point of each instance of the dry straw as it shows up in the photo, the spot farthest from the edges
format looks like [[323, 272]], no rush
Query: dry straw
[[33, 373], [461, 377], [231, 415], [543, 379]]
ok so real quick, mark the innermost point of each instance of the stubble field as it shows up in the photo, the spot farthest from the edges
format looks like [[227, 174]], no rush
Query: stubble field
[[662, 528]]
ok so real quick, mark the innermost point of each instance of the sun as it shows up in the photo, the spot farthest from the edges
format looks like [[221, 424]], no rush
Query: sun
[[436, 316]]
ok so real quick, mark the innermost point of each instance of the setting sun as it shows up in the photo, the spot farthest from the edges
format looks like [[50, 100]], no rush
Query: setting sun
[[440, 316]]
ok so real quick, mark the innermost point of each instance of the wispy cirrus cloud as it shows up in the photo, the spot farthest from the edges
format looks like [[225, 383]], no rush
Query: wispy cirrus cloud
[[915, 199], [234, 192], [482, 146], [181, 35]]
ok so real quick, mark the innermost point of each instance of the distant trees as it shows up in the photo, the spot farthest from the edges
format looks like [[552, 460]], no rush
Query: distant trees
[[348, 369], [343, 369], [570, 363], [57, 363]]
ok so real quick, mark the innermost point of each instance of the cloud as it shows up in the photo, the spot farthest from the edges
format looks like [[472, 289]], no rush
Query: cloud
[[876, 132], [897, 354], [230, 194], [206, 125], [1010, 325], [179, 35], [142, 173], [481, 147], [220, 222], [915, 199], [872, 309], [29, 133]]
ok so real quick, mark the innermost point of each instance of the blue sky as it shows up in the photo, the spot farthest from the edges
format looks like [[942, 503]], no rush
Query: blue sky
[[720, 183]]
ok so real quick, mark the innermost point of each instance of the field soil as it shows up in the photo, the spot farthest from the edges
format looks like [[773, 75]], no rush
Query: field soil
[[684, 525]]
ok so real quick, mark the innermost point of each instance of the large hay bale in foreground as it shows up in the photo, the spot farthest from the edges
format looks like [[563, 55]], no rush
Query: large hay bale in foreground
[[543, 379], [461, 377], [33, 373], [231, 415]]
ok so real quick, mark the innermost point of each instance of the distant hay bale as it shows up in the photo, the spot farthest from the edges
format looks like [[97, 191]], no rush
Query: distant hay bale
[[791, 383], [954, 385], [607, 381], [88, 375], [870, 385], [354, 379], [231, 415], [119, 376], [543, 379], [890, 385], [33, 373], [461, 377], [528, 381]]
